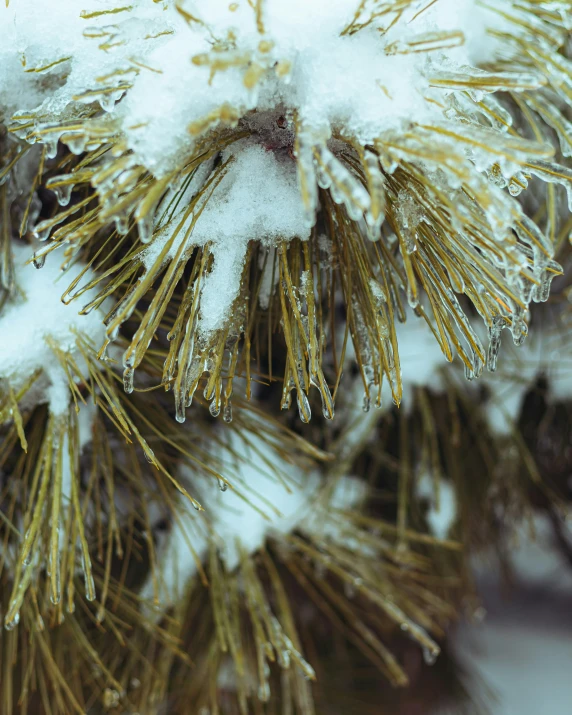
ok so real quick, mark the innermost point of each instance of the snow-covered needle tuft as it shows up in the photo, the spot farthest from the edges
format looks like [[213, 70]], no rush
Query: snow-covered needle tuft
[[269, 154]]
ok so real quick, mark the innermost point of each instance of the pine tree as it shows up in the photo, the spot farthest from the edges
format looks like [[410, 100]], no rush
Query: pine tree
[[257, 261]]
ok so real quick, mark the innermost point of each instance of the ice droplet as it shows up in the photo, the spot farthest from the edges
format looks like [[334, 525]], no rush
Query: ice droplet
[[430, 655], [214, 407], [39, 261], [128, 374], [63, 193], [11, 622], [304, 407]]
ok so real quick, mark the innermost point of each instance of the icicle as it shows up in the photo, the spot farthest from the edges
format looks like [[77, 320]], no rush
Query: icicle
[[343, 186], [495, 330]]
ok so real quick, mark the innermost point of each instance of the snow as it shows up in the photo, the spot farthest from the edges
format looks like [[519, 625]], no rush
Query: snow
[[257, 198], [333, 79], [164, 82], [95, 46], [359, 82], [521, 650], [279, 504], [442, 513], [35, 317], [167, 73]]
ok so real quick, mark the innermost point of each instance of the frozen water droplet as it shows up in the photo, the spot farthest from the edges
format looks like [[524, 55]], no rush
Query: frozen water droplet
[[304, 407], [39, 261], [145, 228], [412, 297], [63, 193], [179, 410], [51, 144], [149, 455], [128, 374], [76, 143], [430, 655], [349, 589], [11, 623], [495, 331], [263, 692], [110, 698], [122, 225]]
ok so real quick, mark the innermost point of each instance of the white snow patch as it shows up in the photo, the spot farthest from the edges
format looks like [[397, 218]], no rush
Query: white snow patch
[[520, 653], [145, 51], [233, 524], [39, 71], [442, 512], [334, 79], [31, 320], [257, 200]]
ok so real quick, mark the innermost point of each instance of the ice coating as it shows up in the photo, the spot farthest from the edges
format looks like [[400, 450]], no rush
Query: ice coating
[[284, 66]]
